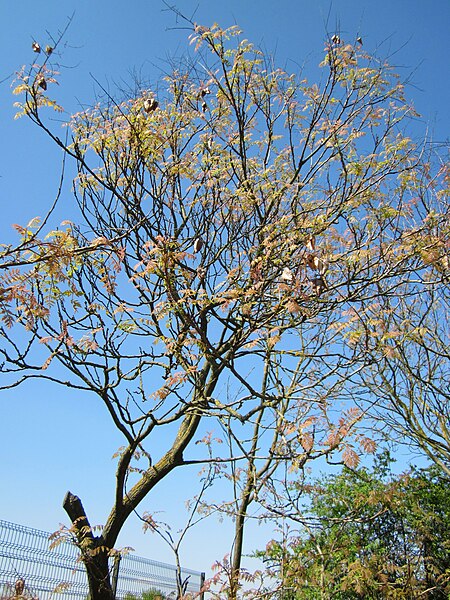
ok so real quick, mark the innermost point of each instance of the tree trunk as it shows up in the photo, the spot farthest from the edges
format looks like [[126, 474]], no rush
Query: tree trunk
[[98, 574], [94, 553], [236, 558]]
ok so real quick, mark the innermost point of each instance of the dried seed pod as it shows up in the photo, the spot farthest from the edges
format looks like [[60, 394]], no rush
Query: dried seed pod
[[205, 91], [48, 50], [36, 47], [318, 285], [312, 261], [293, 306], [287, 275], [359, 40], [336, 39], [150, 105], [311, 244], [315, 262], [198, 245], [204, 107], [40, 81], [321, 266]]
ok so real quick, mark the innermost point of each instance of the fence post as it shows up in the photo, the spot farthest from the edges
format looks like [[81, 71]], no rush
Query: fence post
[[115, 574], [202, 583]]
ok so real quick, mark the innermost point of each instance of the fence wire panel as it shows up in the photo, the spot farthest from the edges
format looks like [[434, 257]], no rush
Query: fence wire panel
[[138, 576], [25, 553], [58, 575]]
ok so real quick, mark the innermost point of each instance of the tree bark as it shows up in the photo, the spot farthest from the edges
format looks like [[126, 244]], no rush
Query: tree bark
[[236, 557], [94, 553]]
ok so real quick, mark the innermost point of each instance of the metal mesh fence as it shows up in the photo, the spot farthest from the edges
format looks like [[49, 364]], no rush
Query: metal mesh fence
[[58, 575], [139, 575]]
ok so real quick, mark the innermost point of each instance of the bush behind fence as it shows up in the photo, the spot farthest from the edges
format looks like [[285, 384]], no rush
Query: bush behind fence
[[57, 574]]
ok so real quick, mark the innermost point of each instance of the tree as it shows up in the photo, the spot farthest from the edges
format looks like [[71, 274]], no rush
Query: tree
[[370, 534], [406, 336], [411, 367], [228, 226]]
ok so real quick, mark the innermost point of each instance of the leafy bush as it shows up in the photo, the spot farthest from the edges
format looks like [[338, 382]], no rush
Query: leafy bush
[[151, 594]]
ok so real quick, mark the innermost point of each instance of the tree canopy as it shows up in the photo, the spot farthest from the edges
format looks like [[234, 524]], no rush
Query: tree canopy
[[247, 244]]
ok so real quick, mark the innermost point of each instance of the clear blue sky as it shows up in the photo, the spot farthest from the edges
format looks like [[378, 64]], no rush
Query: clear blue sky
[[51, 439]]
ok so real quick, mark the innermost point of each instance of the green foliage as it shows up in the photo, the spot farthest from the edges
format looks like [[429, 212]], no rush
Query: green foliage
[[371, 535], [151, 594]]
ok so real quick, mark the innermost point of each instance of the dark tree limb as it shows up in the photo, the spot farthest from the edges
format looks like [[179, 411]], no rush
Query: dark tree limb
[[75, 510]]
